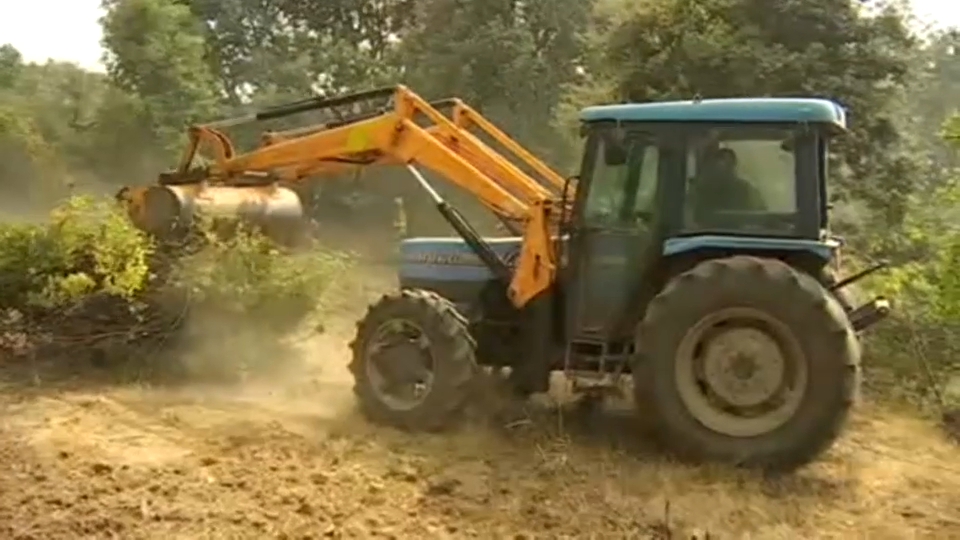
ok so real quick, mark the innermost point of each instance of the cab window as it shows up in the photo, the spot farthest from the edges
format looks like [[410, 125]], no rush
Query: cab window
[[622, 191], [741, 179]]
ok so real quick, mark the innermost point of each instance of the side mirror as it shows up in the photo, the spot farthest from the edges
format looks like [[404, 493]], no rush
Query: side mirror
[[568, 183]]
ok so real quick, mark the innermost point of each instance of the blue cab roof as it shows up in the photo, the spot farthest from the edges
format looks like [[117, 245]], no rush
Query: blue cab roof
[[810, 110]]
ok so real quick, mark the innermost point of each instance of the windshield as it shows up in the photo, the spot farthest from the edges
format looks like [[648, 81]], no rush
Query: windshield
[[742, 179]]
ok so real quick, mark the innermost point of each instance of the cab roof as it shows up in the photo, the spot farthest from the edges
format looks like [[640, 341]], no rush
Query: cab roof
[[755, 110]]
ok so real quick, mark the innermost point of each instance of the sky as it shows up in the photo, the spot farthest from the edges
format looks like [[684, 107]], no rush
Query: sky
[[68, 30]]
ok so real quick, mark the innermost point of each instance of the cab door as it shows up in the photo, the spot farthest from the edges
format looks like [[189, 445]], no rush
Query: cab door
[[613, 231]]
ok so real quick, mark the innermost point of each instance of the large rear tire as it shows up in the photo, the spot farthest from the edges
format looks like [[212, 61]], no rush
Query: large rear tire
[[747, 361], [413, 361]]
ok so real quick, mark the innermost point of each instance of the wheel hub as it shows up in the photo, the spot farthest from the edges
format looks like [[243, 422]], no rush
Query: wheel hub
[[400, 365], [403, 363], [743, 366], [740, 372]]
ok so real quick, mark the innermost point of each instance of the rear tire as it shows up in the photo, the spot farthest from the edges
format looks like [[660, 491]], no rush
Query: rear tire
[[417, 338], [806, 369]]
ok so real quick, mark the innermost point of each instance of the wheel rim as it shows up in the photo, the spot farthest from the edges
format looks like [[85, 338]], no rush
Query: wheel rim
[[400, 366], [741, 372]]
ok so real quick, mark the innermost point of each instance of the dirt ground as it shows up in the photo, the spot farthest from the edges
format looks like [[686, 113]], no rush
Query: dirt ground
[[287, 457]]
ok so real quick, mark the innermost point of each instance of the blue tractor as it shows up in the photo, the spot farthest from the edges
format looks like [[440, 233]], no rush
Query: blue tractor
[[694, 259]]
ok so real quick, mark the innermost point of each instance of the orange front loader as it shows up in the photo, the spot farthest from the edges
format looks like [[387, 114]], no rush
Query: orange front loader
[[390, 126]]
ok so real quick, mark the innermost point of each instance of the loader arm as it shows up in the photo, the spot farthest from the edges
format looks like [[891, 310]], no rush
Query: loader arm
[[393, 136], [462, 141], [466, 117]]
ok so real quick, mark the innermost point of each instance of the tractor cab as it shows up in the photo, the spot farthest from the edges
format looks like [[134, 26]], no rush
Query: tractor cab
[[663, 185]]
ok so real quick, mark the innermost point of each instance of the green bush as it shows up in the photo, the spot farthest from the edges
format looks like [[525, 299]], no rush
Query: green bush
[[87, 278], [88, 247], [920, 345], [249, 276]]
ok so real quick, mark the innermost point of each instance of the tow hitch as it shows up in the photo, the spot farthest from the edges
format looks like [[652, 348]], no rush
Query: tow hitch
[[872, 312]]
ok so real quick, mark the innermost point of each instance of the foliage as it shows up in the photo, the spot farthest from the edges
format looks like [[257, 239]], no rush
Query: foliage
[[89, 246], [156, 50], [247, 275], [86, 281], [11, 62], [26, 154], [86, 248], [512, 59], [922, 342]]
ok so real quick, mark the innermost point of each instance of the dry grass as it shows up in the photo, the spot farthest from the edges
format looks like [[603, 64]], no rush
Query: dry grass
[[289, 459]]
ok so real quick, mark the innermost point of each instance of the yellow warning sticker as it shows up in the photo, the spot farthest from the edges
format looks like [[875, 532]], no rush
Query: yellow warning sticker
[[358, 140]]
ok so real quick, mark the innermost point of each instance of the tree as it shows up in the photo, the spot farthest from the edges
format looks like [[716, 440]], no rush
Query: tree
[[11, 63], [155, 50], [511, 59], [277, 50], [935, 96]]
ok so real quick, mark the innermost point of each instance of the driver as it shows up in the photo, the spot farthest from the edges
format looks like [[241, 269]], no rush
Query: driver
[[720, 188]]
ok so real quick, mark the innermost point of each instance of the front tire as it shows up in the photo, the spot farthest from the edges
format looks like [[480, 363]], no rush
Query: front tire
[[747, 361], [413, 362]]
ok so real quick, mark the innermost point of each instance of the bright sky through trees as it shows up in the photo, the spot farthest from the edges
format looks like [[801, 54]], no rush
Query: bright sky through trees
[[69, 30]]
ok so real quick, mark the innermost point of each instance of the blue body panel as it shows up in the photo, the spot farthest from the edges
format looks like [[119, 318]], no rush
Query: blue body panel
[[451, 260], [448, 259], [755, 110]]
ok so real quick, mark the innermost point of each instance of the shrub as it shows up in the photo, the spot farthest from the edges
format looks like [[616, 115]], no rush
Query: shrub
[[249, 276], [921, 342], [89, 280], [87, 248]]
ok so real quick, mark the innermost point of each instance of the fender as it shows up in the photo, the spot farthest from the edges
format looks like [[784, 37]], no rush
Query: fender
[[823, 249]]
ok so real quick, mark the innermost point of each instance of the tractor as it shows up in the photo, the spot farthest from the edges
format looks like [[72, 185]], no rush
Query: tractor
[[690, 256]]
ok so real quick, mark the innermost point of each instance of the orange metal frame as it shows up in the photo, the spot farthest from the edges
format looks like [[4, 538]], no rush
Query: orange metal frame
[[446, 146]]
